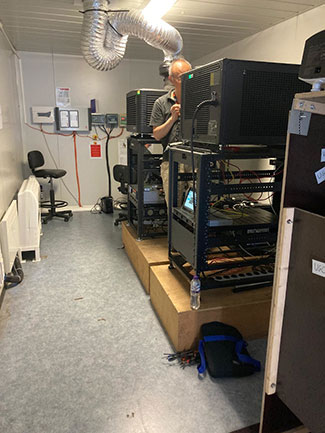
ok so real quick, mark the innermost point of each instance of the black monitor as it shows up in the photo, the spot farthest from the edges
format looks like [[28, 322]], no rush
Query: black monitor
[[253, 102]]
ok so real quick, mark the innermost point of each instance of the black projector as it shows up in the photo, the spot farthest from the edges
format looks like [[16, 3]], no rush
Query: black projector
[[139, 104], [312, 69], [253, 102]]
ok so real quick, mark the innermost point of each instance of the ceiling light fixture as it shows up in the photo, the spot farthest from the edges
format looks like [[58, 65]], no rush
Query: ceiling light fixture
[[158, 8]]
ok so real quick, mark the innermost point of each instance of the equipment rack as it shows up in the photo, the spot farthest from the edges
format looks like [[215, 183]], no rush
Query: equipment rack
[[194, 246], [148, 219]]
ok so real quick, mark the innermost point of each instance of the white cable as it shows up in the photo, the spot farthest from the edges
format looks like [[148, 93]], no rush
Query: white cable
[[8, 40], [20, 82]]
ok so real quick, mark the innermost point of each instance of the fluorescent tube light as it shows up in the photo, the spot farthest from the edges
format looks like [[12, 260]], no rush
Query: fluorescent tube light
[[158, 8]]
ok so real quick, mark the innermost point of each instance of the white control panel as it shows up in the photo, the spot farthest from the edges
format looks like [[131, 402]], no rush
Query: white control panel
[[73, 119], [43, 115]]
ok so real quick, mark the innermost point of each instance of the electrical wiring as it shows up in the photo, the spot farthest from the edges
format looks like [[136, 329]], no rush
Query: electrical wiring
[[70, 135], [74, 135], [120, 204], [264, 199], [91, 137], [102, 138], [40, 129], [96, 209], [76, 165], [107, 164], [119, 135], [265, 254], [271, 205], [245, 251], [225, 213], [205, 103], [261, 194]]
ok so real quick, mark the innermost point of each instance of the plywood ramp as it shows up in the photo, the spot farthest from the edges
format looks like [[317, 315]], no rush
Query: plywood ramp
[[169, 292], [144, 254]]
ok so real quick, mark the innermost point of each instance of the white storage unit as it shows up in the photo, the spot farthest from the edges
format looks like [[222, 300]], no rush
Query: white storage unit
[[2, 274], [29, 214], [9, 237]]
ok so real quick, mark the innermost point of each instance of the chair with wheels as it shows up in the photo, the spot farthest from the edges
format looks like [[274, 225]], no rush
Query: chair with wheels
[[121, 175], [36, 160]]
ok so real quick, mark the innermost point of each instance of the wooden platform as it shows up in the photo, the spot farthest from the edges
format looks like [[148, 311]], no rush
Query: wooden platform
[[144, 254], [169, 291]]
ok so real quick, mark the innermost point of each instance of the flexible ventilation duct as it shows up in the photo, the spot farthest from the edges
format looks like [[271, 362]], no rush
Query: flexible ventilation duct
[[104, 37]]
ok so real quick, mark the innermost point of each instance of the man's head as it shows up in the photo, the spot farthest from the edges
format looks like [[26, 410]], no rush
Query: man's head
[[176, 69]]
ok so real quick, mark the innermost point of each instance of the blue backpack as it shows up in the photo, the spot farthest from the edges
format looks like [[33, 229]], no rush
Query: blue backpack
[[223, 352]]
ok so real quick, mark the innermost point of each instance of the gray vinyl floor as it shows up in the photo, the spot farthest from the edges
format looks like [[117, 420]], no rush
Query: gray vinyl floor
[[81, 349]]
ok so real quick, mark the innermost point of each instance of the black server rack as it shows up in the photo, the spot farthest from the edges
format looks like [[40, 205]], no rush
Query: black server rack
[[211, 246], [253, 100], [139, 104], [147, 211]]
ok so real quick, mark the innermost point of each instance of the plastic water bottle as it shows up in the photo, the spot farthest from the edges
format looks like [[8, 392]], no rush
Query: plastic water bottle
[[195, 291]]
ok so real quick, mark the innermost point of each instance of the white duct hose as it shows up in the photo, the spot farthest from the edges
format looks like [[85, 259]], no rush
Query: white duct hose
[[104, 37]]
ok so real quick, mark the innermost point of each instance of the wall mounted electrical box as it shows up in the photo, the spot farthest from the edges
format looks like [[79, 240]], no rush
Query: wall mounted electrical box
[[72, 119], [108, 120], [122, 120], [98, 119], [42, 115], [112, 121]]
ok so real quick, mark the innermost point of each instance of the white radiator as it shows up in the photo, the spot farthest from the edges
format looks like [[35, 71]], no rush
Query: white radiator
[[29, 213], [9, 236], [2, 273]]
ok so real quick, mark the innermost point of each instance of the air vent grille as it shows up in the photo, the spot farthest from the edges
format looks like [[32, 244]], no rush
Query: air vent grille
[[131, 110], [266, 101]]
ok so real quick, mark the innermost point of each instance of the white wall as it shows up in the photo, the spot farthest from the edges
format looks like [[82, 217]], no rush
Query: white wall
[[11, 150], [281, 43], [42, 74]]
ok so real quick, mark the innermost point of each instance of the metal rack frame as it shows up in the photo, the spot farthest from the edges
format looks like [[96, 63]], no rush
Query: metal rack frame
[[190, 242], [147, 219]]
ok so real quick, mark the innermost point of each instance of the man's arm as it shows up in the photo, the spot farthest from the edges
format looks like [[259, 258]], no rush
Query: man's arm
[[160, 131]]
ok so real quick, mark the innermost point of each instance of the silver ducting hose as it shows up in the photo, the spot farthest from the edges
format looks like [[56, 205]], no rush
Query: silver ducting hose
[[104, 37]]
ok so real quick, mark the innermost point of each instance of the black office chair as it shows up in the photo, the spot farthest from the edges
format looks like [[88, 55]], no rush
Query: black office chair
[[36, 160], [121, 175]]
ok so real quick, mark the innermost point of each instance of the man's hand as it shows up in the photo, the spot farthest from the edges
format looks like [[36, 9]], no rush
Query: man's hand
[[161, 131], [175, 111]]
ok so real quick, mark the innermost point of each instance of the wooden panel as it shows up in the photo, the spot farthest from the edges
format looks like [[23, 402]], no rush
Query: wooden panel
[[144, 254], [278, 299], [313, 102], [169, 292], [301, 379], [304, 159], [165, 308]]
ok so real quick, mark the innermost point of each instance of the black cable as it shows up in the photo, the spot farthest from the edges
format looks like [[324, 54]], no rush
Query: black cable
[[112, 27], [107, 163], [104, 10], [212, 101]]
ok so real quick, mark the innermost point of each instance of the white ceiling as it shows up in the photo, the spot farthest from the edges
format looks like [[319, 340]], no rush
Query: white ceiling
[[54, 25]]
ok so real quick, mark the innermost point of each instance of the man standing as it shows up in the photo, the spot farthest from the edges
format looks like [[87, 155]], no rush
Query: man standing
[[165, 116]]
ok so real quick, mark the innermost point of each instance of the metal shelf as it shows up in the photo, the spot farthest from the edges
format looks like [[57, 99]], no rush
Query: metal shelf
[[192, 238], [148, 219]]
